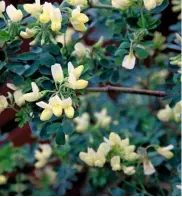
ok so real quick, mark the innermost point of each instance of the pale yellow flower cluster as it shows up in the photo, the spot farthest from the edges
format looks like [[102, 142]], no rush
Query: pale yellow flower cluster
[[168, 113], [56, 105], [42, 154], [113, 150]]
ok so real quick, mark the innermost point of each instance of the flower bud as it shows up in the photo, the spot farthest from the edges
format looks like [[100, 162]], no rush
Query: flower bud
[[129, 61]]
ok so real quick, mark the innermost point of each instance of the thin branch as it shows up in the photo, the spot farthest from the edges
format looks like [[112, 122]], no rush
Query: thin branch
[[127, 90]]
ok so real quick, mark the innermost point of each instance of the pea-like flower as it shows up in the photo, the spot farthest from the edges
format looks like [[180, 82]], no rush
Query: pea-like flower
[[29, 33], [34, 95], [116, 163], [45, 17], [151, 4], [82, 122], [124, 4], [78, 20], [93, 158], [67, 106], [80, 50], [130, 170], [47, 113], [18, 94], [2, 7], [65, 38], [14, 14], [3, 103], [129, 61], [56, 19], [165, 151], [148, 167], [103, 120], [43, 155], [34, 8], [73, 80]]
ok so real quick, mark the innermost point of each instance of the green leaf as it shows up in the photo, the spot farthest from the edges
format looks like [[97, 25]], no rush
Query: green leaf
[[141, 52], [32, 69], [60, 136], [67, 128], [115, 76], [4, 36], [27, 56], [46, 59], [17, 68]]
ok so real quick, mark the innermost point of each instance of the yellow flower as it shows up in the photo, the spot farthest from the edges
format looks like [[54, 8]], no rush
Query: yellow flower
[[57, 73], [2, 7], [43, 155], [3, 179], [165, 114], [165, 151], [150, 4], [124, 4], [74, 74], [103, 120], [80, 50], [104, 148], [56, 19], [82, 122], [130, 170], [57, 105], [78, 20], [18, 94], [3, 103], [148, 167], [47, 113], [115, 163], [67, 106], [77, 2], [34, 8], [14, 14], [88, 157], [129, 61], [65, 38], [34, 95], [29, 33], [45, 17]]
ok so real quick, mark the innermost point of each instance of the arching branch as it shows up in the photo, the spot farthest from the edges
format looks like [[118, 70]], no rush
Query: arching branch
[[127, 91]]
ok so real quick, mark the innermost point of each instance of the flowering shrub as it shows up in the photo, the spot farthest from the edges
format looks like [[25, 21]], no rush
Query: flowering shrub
[[77, 50]]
